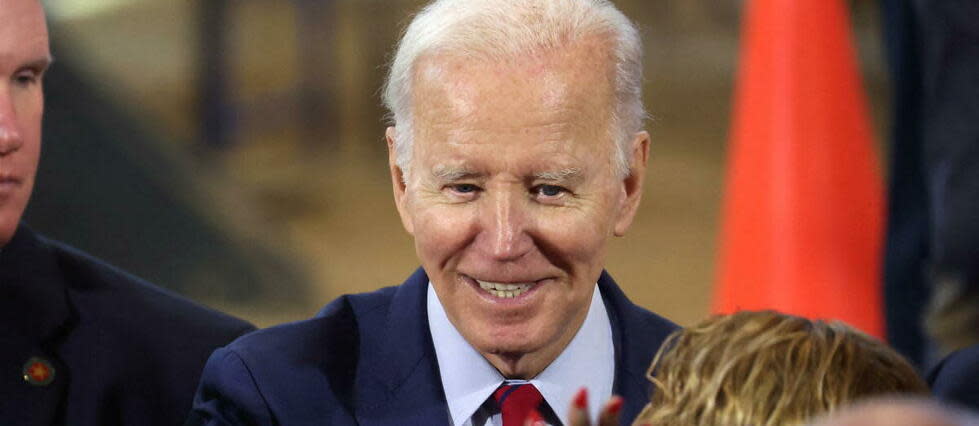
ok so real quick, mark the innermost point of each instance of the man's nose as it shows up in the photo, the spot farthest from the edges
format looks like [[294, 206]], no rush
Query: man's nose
[[505, 228], [10, 134]]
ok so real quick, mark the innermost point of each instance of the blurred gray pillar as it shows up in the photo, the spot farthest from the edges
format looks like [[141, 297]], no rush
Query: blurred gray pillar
[[216, 110], [316, 82]]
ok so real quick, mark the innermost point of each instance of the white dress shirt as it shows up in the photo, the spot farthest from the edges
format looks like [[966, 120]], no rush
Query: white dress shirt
[[469, 379]]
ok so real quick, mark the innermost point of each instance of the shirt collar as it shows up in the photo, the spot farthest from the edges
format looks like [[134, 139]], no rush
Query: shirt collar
[[468, 379]]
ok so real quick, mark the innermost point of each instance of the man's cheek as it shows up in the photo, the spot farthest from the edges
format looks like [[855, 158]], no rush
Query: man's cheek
[[439, 230], [575, 230]]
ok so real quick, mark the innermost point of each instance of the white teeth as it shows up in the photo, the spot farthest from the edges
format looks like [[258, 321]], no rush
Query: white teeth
[[504, 291]]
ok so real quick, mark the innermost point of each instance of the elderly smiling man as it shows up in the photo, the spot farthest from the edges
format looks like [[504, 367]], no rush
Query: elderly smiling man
[[517, 152]]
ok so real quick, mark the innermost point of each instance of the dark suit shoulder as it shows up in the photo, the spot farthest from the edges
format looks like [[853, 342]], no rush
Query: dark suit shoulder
[[271, 373], [130, 352], [129, 301], [647, 329], [645, 332], [361, 304], [651, 322], [956, 378], [333, 333]]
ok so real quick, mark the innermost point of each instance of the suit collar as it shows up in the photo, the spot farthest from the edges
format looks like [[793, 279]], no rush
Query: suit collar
[[410, 343], [633, 349], [404, 364]]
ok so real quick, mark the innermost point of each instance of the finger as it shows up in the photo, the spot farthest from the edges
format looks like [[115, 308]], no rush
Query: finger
[[610, 412], [578, 415]]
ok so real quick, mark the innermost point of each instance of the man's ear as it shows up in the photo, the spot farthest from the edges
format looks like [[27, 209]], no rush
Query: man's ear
[[632, 184], [398, 181]]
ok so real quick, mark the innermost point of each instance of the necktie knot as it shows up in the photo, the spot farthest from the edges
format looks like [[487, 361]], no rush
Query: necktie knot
[[516, 401]]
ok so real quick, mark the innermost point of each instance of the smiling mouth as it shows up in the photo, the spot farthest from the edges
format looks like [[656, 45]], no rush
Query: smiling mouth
[[505, 291]]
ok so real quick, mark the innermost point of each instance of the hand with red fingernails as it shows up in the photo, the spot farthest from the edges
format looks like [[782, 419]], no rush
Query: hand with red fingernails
[[609, 416]]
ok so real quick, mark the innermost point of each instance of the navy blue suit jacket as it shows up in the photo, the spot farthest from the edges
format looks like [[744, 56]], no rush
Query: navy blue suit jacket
[[956, 378], [124, 352], [368, 359]]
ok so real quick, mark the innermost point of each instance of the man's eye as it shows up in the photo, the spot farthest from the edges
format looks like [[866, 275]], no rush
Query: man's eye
[[549, 190], [464, 188], [26, 78]]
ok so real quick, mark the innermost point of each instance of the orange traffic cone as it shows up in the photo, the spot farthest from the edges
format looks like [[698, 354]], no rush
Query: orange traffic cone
[[804, 208]]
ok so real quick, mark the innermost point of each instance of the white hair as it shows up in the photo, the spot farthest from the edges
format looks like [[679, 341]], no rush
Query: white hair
[[500, 29]]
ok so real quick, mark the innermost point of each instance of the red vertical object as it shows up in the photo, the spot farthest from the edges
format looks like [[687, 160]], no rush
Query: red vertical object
[[803, 214]]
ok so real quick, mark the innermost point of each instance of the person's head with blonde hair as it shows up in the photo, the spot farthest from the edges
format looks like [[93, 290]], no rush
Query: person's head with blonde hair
[[768, 368]]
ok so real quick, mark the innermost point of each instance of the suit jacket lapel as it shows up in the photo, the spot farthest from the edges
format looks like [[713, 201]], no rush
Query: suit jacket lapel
[[36, 315], [402, 385], [636, 342]]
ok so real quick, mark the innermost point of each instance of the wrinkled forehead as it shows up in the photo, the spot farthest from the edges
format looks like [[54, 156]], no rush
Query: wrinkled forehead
[[570, 85], [23, 32]]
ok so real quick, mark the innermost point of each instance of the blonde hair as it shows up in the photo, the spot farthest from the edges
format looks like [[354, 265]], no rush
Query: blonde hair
[[768, 368]]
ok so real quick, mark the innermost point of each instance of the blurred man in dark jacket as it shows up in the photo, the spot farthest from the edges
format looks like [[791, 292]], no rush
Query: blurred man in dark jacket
[[82, 343], [932, 266], [956, 378]]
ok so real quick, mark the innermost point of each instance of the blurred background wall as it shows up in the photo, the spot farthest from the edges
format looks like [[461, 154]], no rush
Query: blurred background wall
[[232, 150]]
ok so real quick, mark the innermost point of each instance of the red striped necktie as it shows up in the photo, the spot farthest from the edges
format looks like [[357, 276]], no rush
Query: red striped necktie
[[516, 401]]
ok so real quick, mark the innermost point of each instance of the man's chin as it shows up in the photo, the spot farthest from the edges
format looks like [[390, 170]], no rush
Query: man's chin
[[513, 365], [8, 227], [511, 348], [514, 350]]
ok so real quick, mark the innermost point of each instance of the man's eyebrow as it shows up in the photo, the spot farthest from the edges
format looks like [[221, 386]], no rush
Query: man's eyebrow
[[451, 173], [569, 174], [40, 64]]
